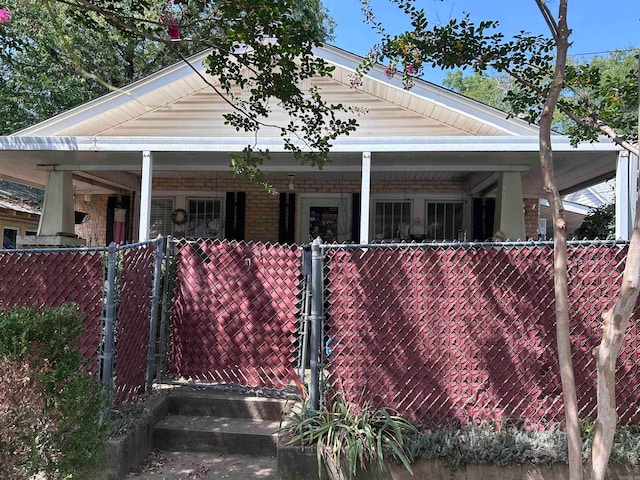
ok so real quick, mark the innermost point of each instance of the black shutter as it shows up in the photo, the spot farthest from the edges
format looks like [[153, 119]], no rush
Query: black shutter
[[229, 223], [355, 218], [489, 217], [282, 219], [234, 215], [287, 218], [291, 221], [484, 212], [241, 206], [111, 206], [478, 219]]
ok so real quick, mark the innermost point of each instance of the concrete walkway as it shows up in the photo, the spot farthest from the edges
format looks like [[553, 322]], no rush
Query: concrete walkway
[[207, 466]]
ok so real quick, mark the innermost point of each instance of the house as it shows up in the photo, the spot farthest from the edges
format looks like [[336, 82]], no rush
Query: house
[[424, 164], [19, 212]]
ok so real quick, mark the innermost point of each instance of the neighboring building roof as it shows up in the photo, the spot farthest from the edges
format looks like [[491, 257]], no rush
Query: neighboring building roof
[[596, 196], [17, 197]]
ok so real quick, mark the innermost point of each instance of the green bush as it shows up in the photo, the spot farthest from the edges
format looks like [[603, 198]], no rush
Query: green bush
[[600, 223], [25, 426], [59, 393]]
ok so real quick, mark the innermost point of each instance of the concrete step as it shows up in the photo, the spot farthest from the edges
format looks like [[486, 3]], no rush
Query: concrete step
[[210, 403], [226, 435]]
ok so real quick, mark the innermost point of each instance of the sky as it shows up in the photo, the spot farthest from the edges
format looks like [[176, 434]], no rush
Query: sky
[[595, 28]]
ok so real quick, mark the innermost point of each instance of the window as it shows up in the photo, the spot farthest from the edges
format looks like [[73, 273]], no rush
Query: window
[[161, 209], [205, 218], [392, 220], [444, 221], [9, 237]]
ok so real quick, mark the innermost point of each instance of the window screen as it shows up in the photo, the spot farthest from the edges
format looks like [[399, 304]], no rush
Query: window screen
[[392, 220], [444, 221], [161, 209], [205, 220]]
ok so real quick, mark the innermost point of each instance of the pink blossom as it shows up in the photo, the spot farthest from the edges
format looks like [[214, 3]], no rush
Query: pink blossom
[[410, 69], [173, 30], [4, 15], [391, 70], [356, 81], [169, 20]]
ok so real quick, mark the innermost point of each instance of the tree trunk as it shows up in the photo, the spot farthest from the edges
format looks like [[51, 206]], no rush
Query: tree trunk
[[615, 323], [561, 34]]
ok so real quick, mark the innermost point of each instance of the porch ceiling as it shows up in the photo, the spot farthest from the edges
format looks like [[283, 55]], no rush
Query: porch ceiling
[[114, 164]]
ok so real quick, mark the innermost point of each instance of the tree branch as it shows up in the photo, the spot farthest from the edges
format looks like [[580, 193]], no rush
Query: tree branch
[[548, 17]]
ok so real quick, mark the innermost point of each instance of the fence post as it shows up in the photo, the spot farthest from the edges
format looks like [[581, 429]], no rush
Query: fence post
[[306, 307], [317, 318], [168, 271], [153, 321], [109, 331]]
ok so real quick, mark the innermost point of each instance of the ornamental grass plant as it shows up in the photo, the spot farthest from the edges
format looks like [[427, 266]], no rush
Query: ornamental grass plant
[[352, 437]]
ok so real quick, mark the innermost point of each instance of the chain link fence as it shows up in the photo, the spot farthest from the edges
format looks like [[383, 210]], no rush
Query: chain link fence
[[444, 333], [460, 333], [112, 286]]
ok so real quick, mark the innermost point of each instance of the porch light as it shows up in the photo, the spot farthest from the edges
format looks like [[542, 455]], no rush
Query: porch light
[[292, 187]]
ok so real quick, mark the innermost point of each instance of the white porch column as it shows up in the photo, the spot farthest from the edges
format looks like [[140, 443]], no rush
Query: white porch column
[[58, 218], [57, 222], [626, 188], [365, 197], [145, 196], [509, 218]]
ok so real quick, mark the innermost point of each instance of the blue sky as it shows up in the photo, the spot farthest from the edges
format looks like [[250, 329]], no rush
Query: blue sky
[[595, 27]]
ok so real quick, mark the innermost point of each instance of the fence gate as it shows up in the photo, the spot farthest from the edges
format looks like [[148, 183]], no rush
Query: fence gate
[[231, 314]]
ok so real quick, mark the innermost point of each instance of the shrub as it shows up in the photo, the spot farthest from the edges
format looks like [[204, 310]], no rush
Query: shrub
[[60, 394], [508, 444], [486, 443], [25, 426]]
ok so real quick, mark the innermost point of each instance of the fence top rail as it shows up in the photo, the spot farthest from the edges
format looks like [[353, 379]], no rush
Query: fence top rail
[[470, 245], [125, 246]]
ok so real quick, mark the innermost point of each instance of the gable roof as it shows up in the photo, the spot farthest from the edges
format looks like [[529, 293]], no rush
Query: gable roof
[[178, 102]]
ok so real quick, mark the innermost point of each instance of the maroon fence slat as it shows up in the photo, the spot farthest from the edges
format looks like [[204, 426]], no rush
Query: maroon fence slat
[[51, 279], [459, 335], [234, 313], [134, 312]]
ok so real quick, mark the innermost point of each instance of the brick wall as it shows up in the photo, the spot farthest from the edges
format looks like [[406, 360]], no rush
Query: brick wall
[[531, 215], [262, 215], [94, 230]]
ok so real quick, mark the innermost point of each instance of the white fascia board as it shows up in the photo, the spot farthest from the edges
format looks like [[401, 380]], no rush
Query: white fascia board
[[275, 144], [432, 93], [117, 98]]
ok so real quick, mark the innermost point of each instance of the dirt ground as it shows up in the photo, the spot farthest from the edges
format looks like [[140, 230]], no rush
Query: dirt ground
[[188, 466]]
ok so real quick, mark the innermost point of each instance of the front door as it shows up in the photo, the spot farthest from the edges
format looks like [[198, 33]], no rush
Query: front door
[[327, 218]]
